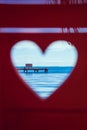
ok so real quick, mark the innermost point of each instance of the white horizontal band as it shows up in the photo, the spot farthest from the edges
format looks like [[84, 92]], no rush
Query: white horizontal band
[[43, 30]]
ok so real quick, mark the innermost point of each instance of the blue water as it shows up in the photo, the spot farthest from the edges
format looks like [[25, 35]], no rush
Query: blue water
[[44, 84], [53, 69]]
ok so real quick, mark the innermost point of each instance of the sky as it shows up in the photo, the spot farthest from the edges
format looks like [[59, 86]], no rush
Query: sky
[[58, 53], [36, 1], [42, 30], [25, 1]]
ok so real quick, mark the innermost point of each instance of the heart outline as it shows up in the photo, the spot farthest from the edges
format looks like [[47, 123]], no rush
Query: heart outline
[[43, 53]]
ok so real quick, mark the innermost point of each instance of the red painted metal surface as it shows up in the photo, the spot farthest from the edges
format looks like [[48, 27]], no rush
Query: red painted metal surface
[[20, 108], [23, 109], [43, 16]]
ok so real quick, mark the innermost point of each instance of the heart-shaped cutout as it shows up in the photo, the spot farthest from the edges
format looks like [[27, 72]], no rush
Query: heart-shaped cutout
[[44, 72]]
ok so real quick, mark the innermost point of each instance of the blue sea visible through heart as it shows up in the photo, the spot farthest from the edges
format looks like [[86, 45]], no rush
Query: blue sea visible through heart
[[45, 83]]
